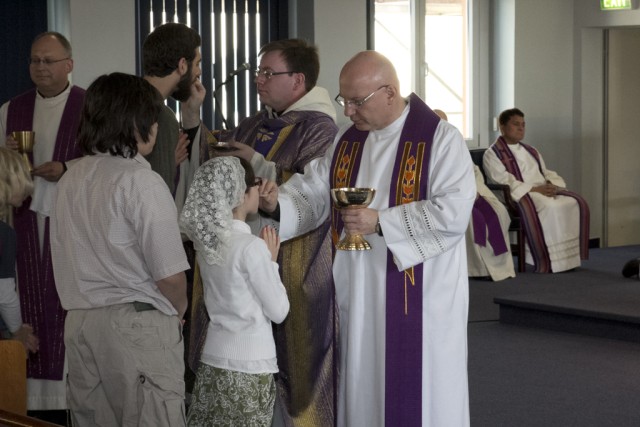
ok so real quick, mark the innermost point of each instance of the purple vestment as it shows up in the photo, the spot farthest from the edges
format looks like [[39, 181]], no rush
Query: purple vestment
[[39, 300], [409, 183], [306, 342]]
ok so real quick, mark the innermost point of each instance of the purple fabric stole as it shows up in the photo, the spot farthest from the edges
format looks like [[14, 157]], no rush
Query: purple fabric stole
[[527, 209], [486, 224], [403, 340], [39, 300]]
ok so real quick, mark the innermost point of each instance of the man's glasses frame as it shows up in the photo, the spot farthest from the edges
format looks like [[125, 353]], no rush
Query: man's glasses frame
[[45, 61], [357, 103], [267, 74]]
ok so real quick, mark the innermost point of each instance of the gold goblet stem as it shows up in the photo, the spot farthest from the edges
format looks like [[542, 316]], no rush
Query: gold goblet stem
[[353, 242]]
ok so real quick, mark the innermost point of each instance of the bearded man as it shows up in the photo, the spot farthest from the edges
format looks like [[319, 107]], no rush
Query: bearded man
[[171, 63]]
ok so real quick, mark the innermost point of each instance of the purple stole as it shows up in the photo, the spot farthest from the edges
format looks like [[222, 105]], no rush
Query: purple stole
[[487, 225], [409, 182], [39, 299], [527, 209]]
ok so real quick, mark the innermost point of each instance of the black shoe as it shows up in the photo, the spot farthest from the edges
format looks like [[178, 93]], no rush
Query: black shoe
[[631, 268]]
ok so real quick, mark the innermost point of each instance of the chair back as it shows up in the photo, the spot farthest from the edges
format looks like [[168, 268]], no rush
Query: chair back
[[476, 157], [13, 377], [518, 247]]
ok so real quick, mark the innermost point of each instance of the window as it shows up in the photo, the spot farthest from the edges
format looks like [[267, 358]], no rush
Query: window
[[430, 43], [232, 33]]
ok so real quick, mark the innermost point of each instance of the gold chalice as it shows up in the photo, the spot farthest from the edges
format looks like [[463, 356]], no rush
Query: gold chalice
[[26, 139], [352, 198]]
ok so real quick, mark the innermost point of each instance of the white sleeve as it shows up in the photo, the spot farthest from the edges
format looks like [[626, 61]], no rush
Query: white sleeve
[[9, 304], [417, 231], [497, 173], [263, 277], [552, 176], [262, 167], [305, 198]]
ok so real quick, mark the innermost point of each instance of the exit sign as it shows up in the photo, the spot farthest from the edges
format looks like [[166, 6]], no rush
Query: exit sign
[[615, 4]]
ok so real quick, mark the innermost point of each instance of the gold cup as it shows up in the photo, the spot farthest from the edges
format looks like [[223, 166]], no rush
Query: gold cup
[[352, 198], [25, 139]]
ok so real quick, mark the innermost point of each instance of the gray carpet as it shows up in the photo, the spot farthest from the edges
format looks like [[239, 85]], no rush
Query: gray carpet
[[529, 377], [603, 267]]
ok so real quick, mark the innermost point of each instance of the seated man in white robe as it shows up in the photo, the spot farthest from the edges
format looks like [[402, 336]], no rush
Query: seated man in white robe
[[487, 236], [556, 221]]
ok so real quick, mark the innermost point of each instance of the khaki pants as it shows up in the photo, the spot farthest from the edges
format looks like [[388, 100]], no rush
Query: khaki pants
[[126, 368]]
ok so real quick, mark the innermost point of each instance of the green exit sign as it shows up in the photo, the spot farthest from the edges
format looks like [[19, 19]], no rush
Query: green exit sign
[[615, 4]]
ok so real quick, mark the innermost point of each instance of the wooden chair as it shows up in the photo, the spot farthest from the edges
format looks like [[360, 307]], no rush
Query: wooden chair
[[13, 377], [517, 248]]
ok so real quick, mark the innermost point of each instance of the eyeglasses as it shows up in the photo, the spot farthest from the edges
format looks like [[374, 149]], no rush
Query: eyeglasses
[[257, 182], [45, 62], [267, 74], [357, 103]]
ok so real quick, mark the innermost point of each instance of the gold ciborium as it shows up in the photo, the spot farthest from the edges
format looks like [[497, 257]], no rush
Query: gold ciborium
[[25, 139], [352, 198]]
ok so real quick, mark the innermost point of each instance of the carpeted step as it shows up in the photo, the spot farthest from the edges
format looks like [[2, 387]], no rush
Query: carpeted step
[[609, 311]]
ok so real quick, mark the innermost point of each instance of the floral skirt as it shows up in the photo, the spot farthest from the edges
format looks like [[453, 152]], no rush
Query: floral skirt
[[229, 398]]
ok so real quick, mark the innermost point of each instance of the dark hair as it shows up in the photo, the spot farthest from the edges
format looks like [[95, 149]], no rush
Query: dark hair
[[62, 39], [115, 106], [165, 46], [299, 56], [249, 175], [506, 115]]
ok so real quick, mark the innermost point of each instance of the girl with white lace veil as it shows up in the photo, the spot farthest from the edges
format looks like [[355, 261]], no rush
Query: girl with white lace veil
[[243, 294]]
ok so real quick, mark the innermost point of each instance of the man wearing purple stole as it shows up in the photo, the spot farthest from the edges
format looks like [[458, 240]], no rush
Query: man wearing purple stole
[[52, 111], [403, 305], [487, 237], [296, 126], [555, 220]]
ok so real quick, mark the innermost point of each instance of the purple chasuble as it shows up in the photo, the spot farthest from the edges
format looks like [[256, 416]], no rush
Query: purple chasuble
[[409, 183], [527, 209], [487, 225], [269, 133], [39, 300]]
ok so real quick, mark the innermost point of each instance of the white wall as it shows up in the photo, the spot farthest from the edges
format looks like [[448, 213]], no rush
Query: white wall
[[543, 81], [588, 127], [103, 38], [503, 74], [340, 33], [589, 23]]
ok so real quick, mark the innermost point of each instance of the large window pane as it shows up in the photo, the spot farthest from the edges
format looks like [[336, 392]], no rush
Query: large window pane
[[428, 43]]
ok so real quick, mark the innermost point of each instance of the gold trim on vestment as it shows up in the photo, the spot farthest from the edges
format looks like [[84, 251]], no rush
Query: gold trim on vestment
[[282, 136], [407, 191]]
